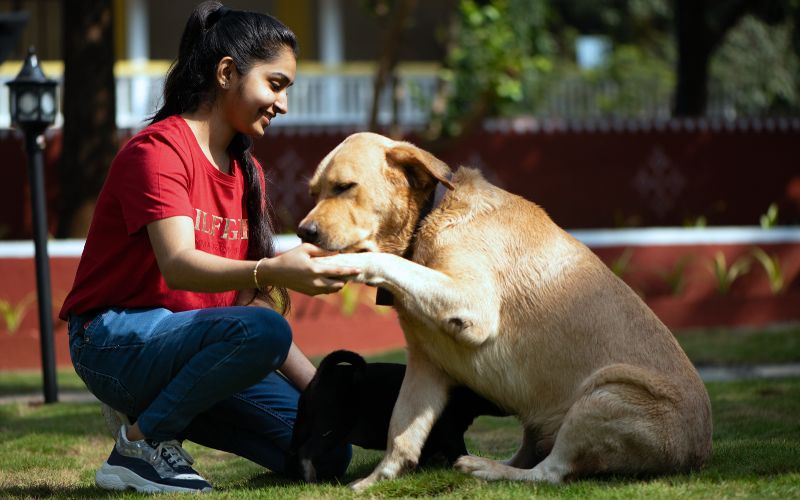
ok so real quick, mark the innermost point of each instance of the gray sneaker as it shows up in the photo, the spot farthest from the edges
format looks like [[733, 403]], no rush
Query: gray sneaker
[[149, 467], [114, 419]]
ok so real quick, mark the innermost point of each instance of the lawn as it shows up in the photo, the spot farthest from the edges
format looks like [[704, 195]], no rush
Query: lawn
[[53, 450]]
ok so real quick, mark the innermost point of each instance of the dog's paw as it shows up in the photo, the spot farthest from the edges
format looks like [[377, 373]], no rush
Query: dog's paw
[[362, 261], [360, 485], [482, 468]]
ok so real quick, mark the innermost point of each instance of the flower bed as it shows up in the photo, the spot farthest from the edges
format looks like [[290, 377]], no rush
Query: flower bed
[[689, 277]]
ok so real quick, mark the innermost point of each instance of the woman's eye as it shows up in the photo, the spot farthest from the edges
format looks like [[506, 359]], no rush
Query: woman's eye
[[342, 187]]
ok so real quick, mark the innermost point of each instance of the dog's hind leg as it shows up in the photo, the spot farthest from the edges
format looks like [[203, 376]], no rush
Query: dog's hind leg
[[532, 451], [422, 398], [618, 426], [529, 454]]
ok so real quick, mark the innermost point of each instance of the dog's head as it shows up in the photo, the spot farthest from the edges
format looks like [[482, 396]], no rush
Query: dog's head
[[326, 412], [369, 192]]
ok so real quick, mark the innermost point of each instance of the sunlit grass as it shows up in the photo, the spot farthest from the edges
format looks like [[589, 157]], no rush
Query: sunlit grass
[[53, 451]]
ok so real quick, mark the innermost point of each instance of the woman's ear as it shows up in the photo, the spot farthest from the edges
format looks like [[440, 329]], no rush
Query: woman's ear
[[226, 72]]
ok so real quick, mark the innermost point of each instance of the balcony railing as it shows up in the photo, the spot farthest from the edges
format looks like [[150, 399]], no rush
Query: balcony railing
[[320, 96], [342, 96]]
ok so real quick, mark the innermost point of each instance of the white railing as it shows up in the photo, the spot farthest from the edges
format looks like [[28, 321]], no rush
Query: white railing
[[593, 238], [320, 96], [342, 96]]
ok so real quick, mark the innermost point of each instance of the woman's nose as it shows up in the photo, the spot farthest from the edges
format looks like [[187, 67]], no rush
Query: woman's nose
[[282, 104]]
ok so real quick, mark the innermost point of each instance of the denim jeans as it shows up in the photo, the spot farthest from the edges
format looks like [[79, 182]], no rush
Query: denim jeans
[[206, 375]]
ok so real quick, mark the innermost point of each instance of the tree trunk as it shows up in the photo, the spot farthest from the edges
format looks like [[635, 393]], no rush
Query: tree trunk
[[387, 62], [691, 93], [89, 108], [700, 28]]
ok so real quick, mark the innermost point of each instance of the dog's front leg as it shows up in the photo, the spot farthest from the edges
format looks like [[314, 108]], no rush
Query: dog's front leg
[[456, 306], [422, 398]]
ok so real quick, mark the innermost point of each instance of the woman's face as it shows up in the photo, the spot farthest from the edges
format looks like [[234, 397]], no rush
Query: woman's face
[[259, 95]]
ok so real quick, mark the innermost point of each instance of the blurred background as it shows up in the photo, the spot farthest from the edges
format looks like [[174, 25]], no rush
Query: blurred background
[[579, 105], [665, 134]]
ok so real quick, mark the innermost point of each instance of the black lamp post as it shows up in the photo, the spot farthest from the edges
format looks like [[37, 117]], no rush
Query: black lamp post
[[33, 109]]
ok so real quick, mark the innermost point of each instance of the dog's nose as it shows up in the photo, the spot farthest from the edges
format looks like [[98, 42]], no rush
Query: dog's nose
[[309, 232]]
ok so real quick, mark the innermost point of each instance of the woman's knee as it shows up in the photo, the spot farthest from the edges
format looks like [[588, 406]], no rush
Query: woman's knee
[[268, 332]]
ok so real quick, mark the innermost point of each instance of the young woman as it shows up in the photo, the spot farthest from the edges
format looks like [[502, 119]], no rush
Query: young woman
[[179, 244]]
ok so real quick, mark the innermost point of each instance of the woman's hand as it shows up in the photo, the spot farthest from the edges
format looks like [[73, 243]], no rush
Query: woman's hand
[[298, 270]]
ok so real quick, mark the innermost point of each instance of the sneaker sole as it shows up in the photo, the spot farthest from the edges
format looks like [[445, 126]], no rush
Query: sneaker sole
[[112, 477]]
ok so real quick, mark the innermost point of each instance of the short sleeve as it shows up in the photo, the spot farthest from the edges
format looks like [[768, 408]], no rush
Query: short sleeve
[[151, 179]]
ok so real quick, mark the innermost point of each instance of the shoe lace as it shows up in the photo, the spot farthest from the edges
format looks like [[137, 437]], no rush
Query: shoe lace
[[174, 454]]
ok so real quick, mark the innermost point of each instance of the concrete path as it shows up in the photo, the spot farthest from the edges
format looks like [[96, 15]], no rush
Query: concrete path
[[707, 373], [746, 372]]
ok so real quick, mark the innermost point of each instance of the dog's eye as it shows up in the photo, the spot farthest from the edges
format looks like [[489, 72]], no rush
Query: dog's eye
[[343, 186]]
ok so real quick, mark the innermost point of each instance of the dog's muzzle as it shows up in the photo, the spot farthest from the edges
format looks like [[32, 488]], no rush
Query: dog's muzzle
[[309, 233]]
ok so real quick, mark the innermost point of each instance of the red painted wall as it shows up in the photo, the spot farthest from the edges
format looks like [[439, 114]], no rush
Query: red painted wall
[[350, 320], [589, 176]]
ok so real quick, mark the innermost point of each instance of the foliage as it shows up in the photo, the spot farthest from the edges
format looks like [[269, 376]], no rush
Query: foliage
[[621, 264], [501, 47], [726, 275], [518, 58], [772, 266], [675, 276], [770, 219], [697, 222], [757, 70], [12, 315]]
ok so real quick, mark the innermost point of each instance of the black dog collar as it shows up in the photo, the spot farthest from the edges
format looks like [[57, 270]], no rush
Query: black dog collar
[[384, 297]]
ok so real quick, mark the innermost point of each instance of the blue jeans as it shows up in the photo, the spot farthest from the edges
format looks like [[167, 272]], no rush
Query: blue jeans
[[206, 375]]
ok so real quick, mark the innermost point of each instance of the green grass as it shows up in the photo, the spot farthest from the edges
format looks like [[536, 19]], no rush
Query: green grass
[[53, 450], [30, 381], [725, 346]]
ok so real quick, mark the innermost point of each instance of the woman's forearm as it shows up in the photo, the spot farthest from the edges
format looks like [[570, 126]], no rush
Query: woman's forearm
[[199, 271], [297, 368]]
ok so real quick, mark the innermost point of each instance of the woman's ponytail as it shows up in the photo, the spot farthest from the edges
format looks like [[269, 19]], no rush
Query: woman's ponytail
[[260, 229]]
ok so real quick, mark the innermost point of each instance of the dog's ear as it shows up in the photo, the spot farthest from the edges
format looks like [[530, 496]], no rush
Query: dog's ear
[[420, 162], [341, 357]]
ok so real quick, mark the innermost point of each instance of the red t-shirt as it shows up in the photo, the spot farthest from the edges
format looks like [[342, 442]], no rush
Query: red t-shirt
[[161, 172]]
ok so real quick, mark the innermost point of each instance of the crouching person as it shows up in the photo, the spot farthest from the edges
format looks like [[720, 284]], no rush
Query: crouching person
[[172, 315]]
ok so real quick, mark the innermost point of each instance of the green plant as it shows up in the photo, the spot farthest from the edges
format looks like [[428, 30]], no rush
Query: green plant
[[772, 266], [770, 219], [350, 299], [621, 264], [14, 314], [675, 277], [725, 275], [698, 222]]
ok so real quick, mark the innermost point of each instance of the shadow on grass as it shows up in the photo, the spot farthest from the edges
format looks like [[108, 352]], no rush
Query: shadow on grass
[[59, 492]]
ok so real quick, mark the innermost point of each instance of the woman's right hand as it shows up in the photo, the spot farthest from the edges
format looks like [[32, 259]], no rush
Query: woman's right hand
[[297, 270]]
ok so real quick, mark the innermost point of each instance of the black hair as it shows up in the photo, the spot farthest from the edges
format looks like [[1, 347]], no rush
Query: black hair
[[211, 33]]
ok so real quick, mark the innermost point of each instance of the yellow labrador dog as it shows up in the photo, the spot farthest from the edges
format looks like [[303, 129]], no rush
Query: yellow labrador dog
[[491, 294]]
